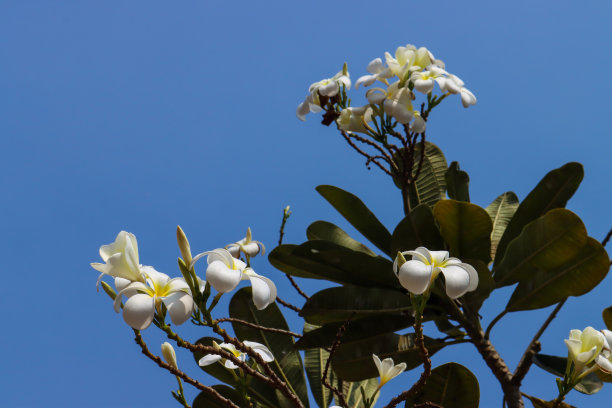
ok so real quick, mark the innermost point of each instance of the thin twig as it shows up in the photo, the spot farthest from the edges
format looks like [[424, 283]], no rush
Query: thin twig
[[209, 390], [607, 238], [339, 395], [281, 234], [367, 156], [385, 156], [256, 326], [287, 304]]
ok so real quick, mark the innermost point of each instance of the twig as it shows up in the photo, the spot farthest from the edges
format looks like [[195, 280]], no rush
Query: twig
[[607, 238], [209, 390], [256, 326], [385, 156], [286, 215], [493, 322], [288, 305], [367, 156], [339, 395]]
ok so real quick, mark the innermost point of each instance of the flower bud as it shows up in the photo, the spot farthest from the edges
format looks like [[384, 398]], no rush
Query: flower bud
[[169, 354], [183, 244]]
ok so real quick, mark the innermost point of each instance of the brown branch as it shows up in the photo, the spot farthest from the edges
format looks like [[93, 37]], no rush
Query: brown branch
[[339, 395], [209, 390], [607, 238], [288, 305], [367, 156], [297, 288], [256, 326], [385, 156]]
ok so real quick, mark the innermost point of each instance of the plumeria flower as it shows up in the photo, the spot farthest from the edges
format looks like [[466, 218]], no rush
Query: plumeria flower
[[424, 80], [418, 274], [604, 359], [247, 246], [258, 348], [145, 298], [584, 347], [407, 60], [467, 98], [355, 119], [224, 273], [327, 87], [121, 261], [398, 103], [387, 370], [378, 72], [452, 84]]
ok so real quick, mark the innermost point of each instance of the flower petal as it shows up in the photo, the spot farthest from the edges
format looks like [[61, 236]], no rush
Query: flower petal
[[415, 276], [457, 280], [264, 291], [378, 364], [208, 360], [180, 306], [138, 311], [222, 278], [260, 349]]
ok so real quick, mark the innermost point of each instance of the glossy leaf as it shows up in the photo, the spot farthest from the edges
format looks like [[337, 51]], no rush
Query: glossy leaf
[[574, 278], [545, 244], [352, 392], [353, 361], [417, 229], [501, 212], [450, 385], [360, 216], [204, 400], [457, 183], [326, 231], [552, 191], [287, 361], [358, 329], [338, 304], [607, 317], [466, 228], [430, 185], [314, 361], [329, 261], [556, 365]]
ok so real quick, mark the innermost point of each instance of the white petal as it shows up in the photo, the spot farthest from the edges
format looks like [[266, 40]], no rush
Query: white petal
[[418, 125], [424, 85], [330, 89], [159, 279], [415, 276], [375, 66], [467, 98], [473, 275], [457, 280], [264, 291], [251, 249], [121, 283], [573, 346], [366, 80], [260, 349], [396, 370], [138, 311], [208, 359], [176, 285], [180, 306], [386, 366], [438, 257], [378, 364], [604, 364], [230, 365], [234, 250], [222, 278]]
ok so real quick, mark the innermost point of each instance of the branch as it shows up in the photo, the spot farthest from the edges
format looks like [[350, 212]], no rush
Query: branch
[[339, 395], [607, 238], [209, 390], [367, 156], [287, 304], [286, 215], [256, 326]]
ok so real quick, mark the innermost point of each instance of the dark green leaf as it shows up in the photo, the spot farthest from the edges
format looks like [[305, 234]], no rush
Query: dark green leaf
[[287, 361], [552, 191], [204, 400], [607, 317], [450, 385], [457, 183], [338, 304], [353, 361], [416, 229], [326, 231], [556, 366], [315, 360], [574, 278], [501, 212], [466, 228], [360, 217], [358, 329], [329, 261], [545, 244], [352, 392]]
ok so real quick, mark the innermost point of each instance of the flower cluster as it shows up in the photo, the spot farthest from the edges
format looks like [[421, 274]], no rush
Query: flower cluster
[[257, 348], [588, 351]]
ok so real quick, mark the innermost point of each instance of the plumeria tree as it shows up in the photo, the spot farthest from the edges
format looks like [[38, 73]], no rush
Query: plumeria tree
[[439, 264]]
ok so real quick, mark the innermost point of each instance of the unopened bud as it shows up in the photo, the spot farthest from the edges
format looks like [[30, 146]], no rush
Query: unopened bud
[[109, 291], [183, 244], [400, 260], [169, 354]]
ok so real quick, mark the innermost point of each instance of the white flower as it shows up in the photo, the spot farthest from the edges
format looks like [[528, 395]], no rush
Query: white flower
[[408, 59], [387, 370], [467, 98], [225, 272], [328, 87], [584, 347], [247, 246], [355, 119], [145, 298], [603, 360], [169, 354], [258, 348], [454, 85], [398, 103], [424, 81], [378, 71], [121, 261], [418, 274]]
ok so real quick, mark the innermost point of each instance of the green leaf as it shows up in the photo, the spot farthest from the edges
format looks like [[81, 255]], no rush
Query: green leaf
[[329, 261], [486, 284], [204, 400], [353, 361], [416, 229], [590, 384], [339, 303], [607, 317], [501, 212], [450, 385], [261, 392], [545, 244], [287, 361], [326, 231], [574, 278], [539, 403], [552, 191], [352, 392], [360, 217], [466, 228], [315, 360], [358, 329], [430, 185], [457, 183]]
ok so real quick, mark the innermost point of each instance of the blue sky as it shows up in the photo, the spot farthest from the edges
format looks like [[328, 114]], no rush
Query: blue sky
[[143, 115]]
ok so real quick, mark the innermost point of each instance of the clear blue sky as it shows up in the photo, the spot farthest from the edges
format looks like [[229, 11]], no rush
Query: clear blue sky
[[142, 115]]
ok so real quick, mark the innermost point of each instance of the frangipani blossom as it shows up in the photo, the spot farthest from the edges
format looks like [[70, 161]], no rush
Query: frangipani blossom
[[387, 370], [247, 246], [121, 261], [225, 272], [407, 60], [328, 87], [604, 359], [418, 274], [145, 298], [584, 347], [355, 119], [377, 71], [258, 348], [424, 80]]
